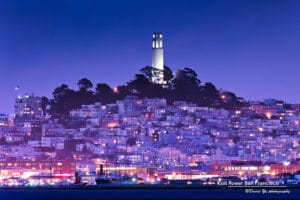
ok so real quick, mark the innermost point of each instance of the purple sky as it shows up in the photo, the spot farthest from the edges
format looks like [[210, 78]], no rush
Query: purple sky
[[248, 47]]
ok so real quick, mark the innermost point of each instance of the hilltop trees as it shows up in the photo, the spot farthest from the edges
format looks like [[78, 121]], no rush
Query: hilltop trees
[[85, 84], [84, 95], [183, 86], [62, 103], [121, 92], [140, 85], [209, 95], [168, 74], [45, 104], [231, 101], [65, 99], [104, 93], [186, 85], [149, 71]]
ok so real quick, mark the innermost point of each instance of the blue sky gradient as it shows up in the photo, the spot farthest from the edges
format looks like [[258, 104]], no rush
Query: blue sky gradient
[[250, 47]]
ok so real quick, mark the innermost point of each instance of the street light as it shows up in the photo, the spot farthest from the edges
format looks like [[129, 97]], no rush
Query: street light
[[286, 164]]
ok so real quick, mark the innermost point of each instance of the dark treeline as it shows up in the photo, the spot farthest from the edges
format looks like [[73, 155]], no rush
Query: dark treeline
[[183, 85]]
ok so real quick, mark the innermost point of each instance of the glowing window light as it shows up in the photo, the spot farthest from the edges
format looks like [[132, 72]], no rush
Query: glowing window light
[[112, 124], [157, 45], [116, 90], [267, 168], [268, 115], [295, 143], [238, 112], [252, 168], [286, 163]]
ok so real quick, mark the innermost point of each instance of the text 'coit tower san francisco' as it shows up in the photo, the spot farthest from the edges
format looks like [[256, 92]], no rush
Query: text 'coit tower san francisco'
[[157, 58]]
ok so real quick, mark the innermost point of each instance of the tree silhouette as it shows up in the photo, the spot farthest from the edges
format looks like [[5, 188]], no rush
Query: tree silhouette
[[45, 103], [60, 91], [168, 74], [147, 71], [231, 101], [122, 92], [104, 93], [186, 85], [139, 85], [209, 96], [84, 84], [103, 88], [62, 102]]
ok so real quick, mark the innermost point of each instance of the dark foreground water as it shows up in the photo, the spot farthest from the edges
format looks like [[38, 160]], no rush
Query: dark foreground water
[[134, 194]]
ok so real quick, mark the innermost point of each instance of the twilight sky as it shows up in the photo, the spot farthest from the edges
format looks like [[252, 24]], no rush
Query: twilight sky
[[250, 47]]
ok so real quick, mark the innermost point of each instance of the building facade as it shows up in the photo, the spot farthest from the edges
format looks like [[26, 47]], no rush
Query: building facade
[[29, 106]]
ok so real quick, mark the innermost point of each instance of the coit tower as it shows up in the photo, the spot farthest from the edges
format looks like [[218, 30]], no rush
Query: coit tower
[[157, 58]]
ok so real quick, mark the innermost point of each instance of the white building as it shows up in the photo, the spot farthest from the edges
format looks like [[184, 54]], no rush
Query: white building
[[3, 119], [29, 107], [53, 141]]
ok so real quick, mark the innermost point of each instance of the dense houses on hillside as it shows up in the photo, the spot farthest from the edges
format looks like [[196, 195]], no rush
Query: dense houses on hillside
[[152, 135]]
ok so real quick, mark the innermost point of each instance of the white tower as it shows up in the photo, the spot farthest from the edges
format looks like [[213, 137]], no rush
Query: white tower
[[157, 58]]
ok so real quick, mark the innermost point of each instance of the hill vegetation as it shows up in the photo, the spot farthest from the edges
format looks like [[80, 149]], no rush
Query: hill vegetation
[[183, 85]]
